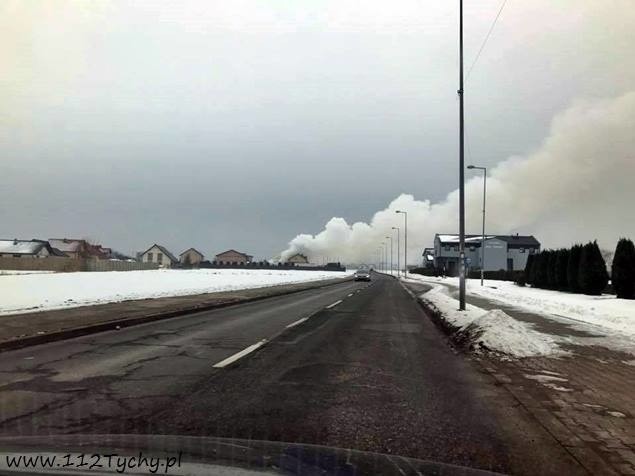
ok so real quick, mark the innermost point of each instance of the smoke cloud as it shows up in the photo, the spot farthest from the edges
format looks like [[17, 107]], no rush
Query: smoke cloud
[[579, 184]]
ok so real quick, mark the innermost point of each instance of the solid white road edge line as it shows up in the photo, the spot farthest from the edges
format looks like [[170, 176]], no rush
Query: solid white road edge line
[[334, 304], [350, 295], [299, 321], [238, 355]]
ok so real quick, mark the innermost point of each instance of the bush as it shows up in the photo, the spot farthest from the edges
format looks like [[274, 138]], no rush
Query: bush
[[425, 271], [541, 278], [527, 275], [592, 275], [561, 269], [573, 267], [623, 269], [521, 280], [552, 276]]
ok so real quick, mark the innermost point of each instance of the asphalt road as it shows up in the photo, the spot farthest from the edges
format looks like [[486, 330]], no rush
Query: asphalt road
[[370, 372]]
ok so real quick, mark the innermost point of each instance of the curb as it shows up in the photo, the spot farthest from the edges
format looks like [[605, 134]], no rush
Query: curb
[[29, 341], [452, 332]]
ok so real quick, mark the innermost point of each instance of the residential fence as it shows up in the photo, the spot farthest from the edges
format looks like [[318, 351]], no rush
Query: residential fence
[[66, 265]]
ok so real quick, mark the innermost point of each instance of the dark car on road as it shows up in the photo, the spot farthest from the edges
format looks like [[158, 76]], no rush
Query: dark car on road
[[362, 275]]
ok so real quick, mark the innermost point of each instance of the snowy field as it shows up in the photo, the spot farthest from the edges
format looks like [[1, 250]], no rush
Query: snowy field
[[605, 311], [21, 293]]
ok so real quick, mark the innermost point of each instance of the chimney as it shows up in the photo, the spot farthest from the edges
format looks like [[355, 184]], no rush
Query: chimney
[[15, 241]]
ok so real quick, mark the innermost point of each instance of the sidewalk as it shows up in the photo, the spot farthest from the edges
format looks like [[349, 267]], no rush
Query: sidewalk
[[585, 399]]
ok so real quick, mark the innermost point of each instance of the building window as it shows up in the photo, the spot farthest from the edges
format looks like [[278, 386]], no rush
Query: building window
[[455, 248], [17, 256], [447, 248], [472, 248], [522, 250], [159, 258], [150, 256], [531, 251]]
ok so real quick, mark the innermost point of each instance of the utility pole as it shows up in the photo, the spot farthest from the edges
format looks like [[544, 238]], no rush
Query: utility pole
[[398, 248], [383, 256], [461, 168], [484, 169], [391, 264], [405, 261]]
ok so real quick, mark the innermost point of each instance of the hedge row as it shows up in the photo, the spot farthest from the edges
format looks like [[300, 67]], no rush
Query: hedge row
[[582, 269]]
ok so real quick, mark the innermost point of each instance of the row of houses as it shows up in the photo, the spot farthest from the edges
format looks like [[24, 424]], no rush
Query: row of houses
[[193, 258], [53, 247], [502, 252], [155, 254]]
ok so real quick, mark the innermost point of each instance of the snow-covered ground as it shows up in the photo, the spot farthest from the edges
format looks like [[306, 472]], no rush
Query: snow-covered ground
[[21, 293], [493, 330], [605, 311]]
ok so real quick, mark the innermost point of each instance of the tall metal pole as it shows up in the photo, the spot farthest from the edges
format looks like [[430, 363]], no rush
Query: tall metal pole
[[484, 169], [461, 168], [405, 261], [391, 254], [483, 242], [383, 256], [398, 249]]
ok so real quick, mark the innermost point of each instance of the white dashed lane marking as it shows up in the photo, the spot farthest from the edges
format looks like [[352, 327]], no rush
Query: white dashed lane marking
[[299, 321], [233, 358]]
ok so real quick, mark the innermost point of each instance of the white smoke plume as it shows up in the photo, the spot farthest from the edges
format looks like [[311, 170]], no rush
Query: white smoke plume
[[578, 185]]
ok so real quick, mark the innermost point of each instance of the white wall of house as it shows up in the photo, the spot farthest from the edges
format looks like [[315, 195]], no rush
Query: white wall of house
[[155, 255], [298, 259], [43, 253], [191, 257], [520, 255], [495, 254]]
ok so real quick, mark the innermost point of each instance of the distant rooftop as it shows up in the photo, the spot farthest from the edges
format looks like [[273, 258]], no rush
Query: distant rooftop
[[514, 240]]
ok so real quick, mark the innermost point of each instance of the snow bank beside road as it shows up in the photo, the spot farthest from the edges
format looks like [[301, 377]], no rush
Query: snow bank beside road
[[605, 311], [493, 330], [39, 292]]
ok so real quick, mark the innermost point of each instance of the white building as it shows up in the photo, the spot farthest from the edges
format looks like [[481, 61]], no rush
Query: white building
[[502, 252], [159, 255], [27, 249], [191, 257]]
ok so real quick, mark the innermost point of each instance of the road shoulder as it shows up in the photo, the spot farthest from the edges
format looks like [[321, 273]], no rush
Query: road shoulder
[[583, 398]]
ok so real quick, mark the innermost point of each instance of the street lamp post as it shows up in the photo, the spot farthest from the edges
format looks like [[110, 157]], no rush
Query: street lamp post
[[398, 249], [484, 169], [384, 249], [405, 248], [391, 265], [461, 168]]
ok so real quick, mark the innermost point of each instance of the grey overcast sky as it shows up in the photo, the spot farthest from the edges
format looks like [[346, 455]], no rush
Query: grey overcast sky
[[239, 124]]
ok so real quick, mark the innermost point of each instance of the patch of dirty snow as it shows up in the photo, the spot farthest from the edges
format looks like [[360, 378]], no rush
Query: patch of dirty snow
[[557, 387], [545, 378], [491, 330]]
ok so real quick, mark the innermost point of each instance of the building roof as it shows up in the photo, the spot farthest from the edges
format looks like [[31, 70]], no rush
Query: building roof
[[519, 240], [194, 250], [67, 245], [164, 251], [22, 247], [511, 240], [298, 255], [234, 251], [55, 252]]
